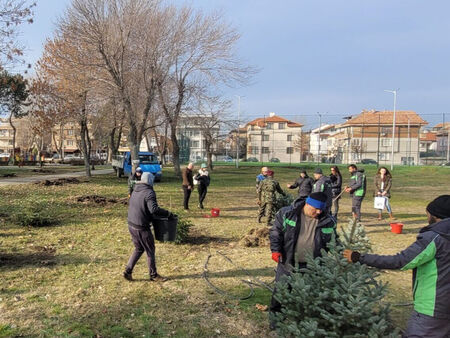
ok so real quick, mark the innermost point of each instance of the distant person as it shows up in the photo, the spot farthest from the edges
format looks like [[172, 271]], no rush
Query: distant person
[[383, 184], [267, 197], [188, 184], [304, 184], [133, 179], [261, 177], [429, 258], [357, 189], [203, 180], [142, 207], [336, 189], [322, 184]]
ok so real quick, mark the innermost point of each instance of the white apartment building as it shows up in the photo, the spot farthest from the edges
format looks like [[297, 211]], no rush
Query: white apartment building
[[273, 137], [320, 150]]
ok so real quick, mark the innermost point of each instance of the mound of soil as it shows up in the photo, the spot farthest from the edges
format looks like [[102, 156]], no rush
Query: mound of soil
[[59, 181], [256, 237], [10, 175], [43, 171], [101, 200]]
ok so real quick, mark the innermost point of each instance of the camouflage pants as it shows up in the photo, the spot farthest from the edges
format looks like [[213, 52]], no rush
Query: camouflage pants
[[267, 208]]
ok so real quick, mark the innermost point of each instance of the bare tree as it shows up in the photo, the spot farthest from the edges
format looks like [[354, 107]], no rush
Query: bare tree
[[301, 143]]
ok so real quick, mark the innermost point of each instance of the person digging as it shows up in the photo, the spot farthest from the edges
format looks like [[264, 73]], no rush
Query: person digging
[[429, 258]]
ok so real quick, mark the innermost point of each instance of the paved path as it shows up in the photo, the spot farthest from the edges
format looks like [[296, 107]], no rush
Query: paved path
[[38, 178]]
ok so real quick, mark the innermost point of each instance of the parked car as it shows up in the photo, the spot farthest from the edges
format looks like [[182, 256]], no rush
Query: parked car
[[228, 159], [252, 159], [275, 160], [445, 164], [368, 161]]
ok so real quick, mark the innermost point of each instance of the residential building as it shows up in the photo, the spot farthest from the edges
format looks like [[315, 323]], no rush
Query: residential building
[[369, 136], [443, 140], [274, 137], [320, 149], [25, 138], [428, 142]]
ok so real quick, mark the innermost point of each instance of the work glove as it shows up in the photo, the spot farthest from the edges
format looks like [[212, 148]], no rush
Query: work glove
[[276, 256], [351, 256]]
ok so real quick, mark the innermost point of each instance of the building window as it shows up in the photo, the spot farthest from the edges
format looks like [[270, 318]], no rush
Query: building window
[[386, 131], [269, 125], [195, 144], [254, 150], [385, 156], [265, 150], [281, 125], [289, 138], [69, 142], [356, 141], [265, 137], [289, 150], [386, 142], [10, 142], [70, 132], [196, 133]]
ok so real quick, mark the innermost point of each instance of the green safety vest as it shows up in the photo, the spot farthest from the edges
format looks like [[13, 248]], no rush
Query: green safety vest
[[360, 191]]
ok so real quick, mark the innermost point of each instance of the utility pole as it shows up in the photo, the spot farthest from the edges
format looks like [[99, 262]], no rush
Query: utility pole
[[318, 148], [238, 131], [393, 126], [409, 143]]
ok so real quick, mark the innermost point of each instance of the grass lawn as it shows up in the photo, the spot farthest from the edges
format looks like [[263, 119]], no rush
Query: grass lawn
[[66, 280], [47, 169]]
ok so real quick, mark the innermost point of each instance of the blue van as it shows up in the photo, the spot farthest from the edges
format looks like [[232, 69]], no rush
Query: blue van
[[147, 161]]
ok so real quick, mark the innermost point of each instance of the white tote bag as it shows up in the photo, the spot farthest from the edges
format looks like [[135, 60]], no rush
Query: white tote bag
[[379, 203]]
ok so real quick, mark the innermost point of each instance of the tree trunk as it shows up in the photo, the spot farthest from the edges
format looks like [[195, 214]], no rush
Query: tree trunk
[[84, 146], [209, 154], [14, 139], [175, 150], [133, 144]]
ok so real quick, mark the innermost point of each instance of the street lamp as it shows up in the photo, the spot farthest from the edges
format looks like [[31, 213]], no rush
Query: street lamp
[[238, 131], [393, 126]]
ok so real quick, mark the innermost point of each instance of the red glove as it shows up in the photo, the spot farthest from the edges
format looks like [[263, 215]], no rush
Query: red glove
[[276, 256]]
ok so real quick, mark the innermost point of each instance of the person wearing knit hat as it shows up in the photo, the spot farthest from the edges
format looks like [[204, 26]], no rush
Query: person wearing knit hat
[[303, 228], [304, 184], [133, 179], [429, 258]]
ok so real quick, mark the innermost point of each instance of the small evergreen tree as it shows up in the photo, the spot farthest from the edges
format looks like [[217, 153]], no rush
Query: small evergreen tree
[[355, 238], [332, 298], [282, 201]]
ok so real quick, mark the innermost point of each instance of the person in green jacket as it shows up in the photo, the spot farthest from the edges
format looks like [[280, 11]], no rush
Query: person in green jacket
[[357, 188]]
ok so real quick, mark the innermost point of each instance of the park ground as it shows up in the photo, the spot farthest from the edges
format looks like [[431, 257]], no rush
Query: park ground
[[66, 280]]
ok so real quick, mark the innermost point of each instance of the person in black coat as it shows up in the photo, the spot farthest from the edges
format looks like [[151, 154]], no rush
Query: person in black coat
[[203, 181], [336, 188], [304, 184], [142, 207]]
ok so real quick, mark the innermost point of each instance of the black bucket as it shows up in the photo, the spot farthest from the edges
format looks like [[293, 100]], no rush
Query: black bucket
[[165, 228]]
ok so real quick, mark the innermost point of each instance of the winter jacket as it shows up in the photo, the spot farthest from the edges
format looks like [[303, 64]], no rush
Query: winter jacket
[[132, 182], [387, 185], [304, 185], [268, 188], [142, 206], [203, 179], [429, 257], [323, 184], [286, 229], [336, 184], [358, 183], [187, 177]]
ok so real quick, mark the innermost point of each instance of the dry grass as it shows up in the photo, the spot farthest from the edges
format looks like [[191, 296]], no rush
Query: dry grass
[[66, 280]]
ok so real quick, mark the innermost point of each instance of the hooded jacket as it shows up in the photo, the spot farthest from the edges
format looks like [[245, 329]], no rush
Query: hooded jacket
[[142, 207], [286, 229], [304, 185], [323, 184], [358, 183], [429, 258]]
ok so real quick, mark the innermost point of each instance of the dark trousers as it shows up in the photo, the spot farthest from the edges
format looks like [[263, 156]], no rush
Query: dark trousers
[[356, 206], [187, 194], [202, 190], [143, 241], [335, 207], [420, 325]]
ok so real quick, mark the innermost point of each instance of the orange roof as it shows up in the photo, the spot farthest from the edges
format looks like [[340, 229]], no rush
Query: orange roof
[[428, 137], [262, 121], [441, 125], [386, 118]]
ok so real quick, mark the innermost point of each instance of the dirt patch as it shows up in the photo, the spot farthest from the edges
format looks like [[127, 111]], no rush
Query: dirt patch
[[101, 200], [43, 171], [10, 175], [256, 237], [59, 181]]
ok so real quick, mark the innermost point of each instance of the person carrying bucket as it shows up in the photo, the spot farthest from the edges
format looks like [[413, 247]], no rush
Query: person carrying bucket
[[429, 258], [142, 207]]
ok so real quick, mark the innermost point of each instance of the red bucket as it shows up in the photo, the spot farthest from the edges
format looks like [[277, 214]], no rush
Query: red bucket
[[215, 212], [396, 228]]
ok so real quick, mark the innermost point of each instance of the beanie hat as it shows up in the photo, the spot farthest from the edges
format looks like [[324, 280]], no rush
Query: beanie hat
[[139, 170], [318, 171], [147, 178], [203, 165], [440, 207], [317, 200], [270, 173], [303, 172]]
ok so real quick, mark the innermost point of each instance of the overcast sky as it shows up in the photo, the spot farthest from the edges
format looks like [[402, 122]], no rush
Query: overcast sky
[[328, 56]]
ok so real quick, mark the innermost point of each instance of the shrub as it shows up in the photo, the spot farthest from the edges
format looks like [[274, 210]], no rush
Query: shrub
[[183, 229], [282, 201], [36, 215]]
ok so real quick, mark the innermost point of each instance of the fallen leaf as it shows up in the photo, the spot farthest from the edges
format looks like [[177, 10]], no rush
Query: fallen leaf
[[261, 307]]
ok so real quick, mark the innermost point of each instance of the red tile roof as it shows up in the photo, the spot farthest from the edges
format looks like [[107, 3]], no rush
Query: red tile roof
[[262, 121], [428, 137], [441, 125], [372, 117]]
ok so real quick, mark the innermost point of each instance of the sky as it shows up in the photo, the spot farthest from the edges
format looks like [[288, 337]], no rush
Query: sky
[[330, 57]]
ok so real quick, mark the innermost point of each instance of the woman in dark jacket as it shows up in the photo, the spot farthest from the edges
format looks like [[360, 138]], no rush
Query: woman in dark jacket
[[383, 184], [336, 188], [203, 180]]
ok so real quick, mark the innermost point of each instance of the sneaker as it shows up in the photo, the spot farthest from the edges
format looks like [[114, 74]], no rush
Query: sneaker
[[158, 278], [127, 276]]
